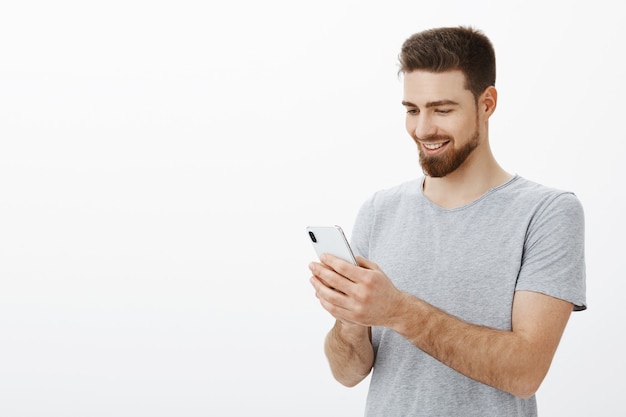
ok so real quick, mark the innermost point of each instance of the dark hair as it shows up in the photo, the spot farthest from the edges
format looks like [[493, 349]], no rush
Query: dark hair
[[452, 48]]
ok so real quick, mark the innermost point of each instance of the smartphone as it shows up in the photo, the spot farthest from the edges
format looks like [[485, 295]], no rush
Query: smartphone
[[331, 240]]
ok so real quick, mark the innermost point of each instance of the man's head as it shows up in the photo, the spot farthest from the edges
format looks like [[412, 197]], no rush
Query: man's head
[[452, 48], [449, 95]]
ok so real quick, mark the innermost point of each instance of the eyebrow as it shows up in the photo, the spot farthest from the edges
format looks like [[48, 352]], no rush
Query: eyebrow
[[432, 103]]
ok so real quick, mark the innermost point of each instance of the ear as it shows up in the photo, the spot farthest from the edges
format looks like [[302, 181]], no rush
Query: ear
[[487, 101]]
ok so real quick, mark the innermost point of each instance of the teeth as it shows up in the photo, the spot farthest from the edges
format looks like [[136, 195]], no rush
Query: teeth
[[433, 146]]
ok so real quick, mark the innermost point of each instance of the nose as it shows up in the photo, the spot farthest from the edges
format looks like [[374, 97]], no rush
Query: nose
[[421, 126]]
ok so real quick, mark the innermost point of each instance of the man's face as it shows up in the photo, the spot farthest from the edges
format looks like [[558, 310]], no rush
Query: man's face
[[442, 119]]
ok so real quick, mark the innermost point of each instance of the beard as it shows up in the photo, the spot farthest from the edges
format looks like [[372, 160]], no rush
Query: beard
[[442, 165]]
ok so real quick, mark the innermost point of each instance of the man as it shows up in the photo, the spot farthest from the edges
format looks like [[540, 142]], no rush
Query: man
[[468, 275]]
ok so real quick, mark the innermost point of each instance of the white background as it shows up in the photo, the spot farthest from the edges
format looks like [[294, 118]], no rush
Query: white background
[[159, 161]]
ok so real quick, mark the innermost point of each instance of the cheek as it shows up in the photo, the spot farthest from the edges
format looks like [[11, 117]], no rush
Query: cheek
[[458, 129], [409, 125]]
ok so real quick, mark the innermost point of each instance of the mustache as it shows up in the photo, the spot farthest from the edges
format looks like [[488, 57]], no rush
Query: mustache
[[433, 138]]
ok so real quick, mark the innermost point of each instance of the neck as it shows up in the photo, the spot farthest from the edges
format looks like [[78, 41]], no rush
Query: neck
[[478, 174]]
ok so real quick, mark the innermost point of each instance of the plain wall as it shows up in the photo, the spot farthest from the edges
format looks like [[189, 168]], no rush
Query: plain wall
[[159, 162]]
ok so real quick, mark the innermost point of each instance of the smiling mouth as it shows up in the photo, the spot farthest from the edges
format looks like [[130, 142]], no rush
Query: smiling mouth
[[433, 147]]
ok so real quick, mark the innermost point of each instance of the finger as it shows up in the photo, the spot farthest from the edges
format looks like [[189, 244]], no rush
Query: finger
[[328, 296], [329, 277], [316, 279], [332, 301], [338, 312], [366, 263], [343, 268], [319, 270]]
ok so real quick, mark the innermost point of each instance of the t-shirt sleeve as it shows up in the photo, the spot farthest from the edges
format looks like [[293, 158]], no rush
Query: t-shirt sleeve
[[359, 240], [553, 261]]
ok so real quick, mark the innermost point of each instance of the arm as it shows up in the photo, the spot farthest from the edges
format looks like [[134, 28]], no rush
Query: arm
[[515, 361], [347, 346], [349, 352]]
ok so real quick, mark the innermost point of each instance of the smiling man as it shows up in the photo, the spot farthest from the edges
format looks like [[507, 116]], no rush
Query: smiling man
[[467, 276]]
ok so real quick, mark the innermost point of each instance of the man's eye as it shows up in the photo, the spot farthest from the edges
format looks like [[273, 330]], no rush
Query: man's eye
[[443, 111], [412, 111]]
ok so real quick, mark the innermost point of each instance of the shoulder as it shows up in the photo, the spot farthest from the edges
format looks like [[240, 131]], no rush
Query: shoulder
[[408, 190], [550, 213], [536, 197], [387, 204]]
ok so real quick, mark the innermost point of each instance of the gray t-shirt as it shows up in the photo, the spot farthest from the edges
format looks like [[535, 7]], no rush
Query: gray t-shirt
[[468, 261]]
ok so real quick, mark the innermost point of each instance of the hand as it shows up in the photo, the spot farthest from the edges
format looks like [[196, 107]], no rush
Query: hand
[[352, 294]]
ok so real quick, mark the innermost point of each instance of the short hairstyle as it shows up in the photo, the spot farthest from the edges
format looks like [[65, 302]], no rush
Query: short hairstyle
[[452, 48]]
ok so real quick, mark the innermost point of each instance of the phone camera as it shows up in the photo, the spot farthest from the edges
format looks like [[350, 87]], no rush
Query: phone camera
[[312, 235]]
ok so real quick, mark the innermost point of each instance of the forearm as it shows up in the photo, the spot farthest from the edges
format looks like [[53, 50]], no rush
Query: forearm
[[503, 359], [350, 353]]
